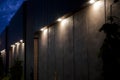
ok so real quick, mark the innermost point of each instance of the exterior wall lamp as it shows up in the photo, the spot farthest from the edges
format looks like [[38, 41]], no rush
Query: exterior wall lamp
[[3, 51], [44, 28], [92, 1], [21, 41], [17, 43], [12, 45], [59, 19]]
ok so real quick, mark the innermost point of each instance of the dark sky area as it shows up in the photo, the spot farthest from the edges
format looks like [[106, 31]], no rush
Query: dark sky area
[[7, 10]]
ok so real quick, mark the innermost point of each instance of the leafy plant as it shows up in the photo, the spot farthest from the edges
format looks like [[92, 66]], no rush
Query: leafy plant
[[16, 70], [6, 78], [110, 51], [1, 67]]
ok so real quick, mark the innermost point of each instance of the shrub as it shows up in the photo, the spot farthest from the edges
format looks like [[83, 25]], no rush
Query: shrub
[[1, 67], [16, 70]]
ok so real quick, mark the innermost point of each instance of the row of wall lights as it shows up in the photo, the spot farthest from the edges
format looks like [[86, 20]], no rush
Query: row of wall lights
[[61, 19], [17, 43]]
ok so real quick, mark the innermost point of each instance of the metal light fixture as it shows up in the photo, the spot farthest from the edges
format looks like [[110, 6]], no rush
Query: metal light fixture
[[17, 43], [12, 45], [92, 1], [3, 51], [59, 19], [21, 41], [44, 28]]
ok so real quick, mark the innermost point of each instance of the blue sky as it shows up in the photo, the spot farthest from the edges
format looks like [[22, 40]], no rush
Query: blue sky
[[7, 10]]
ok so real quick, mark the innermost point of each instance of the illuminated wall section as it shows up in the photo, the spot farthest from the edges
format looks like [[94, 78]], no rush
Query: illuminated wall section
[[3, 54], [16, 52], [64, 49], [68, 50], [55, 51], [95, 18], [43, 46], [11, 56]]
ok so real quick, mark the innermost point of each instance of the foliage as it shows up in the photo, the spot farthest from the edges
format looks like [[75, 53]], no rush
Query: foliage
[[6, 78], [110, 51], [16, 70], [1, 67]]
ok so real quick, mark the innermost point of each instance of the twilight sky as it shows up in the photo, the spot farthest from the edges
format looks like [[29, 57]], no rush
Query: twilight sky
[[7, 10]]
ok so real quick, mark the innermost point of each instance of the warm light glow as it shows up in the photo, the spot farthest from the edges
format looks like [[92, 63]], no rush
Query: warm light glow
[[64, 22], [17, 43], [45, 31], [44, 28], [92, 1], [21, 41], [3, 51], [12, 45], [60, 19], [23, 46], [97, 5]]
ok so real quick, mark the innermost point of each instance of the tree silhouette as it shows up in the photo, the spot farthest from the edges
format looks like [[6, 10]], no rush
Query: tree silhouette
[[110, 51]]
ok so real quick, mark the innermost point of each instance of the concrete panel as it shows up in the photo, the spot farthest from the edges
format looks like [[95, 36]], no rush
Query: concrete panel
[[10, 57], [43, 55], [95, 20], [68, 48], [15, 53], [59, 51], [51, 54], [80, 46], [22, 52], [63, 50], [116, 11]]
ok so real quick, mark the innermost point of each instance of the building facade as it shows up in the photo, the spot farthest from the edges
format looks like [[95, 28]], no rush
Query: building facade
[[60, 39]]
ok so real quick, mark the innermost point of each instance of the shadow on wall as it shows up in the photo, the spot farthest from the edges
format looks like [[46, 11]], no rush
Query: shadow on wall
[[110, 51]]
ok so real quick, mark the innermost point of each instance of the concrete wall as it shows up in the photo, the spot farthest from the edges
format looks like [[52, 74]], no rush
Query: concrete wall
[[2, 40], [69, 49], [16, 52]]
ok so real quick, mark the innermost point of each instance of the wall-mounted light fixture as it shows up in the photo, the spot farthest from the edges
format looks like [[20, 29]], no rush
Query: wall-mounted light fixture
[[3, 51], [92, 1], [13, 45], [17, 43], [44, 28], [21, 41], [59, 19]]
